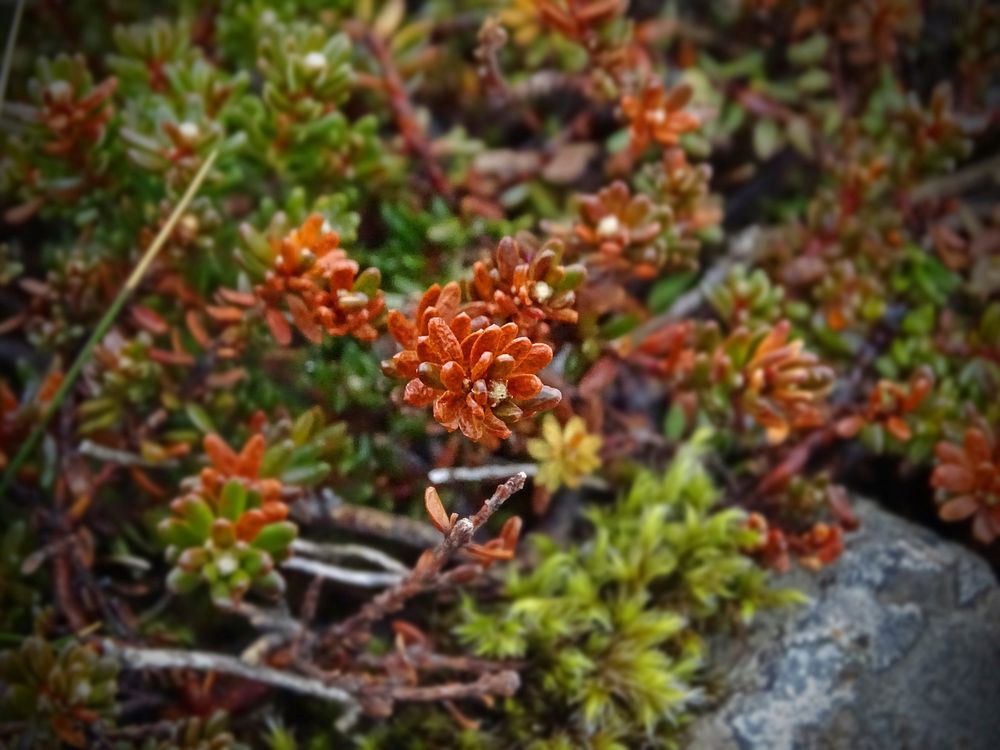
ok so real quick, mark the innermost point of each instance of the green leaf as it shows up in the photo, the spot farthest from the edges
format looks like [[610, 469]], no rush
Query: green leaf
[[183, 583], [368, 282], [254, 561], [271, 583], [199, 417], [307, 475], [799, 135], [618, 141], [303, 426], [675, 422], [199, 516], [813, 81], [667, 290], [177, 533], [232, 500], [809, 51], [618, 326], [766, 139], [989, 324], [276, 537]]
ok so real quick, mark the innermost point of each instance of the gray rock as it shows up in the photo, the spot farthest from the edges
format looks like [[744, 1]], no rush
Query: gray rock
[[898, 648]]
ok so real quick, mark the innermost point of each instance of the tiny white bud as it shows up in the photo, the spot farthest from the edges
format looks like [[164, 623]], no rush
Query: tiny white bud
[[227, 564], [314, 61], [542, 291], [608, 226], [498, 391], [60, 90], [189, 131], [189, 224]]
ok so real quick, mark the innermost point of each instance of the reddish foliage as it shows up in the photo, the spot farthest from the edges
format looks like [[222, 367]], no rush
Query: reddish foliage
[[784, 384], [320, 287], [967, 479], [480, 378], [658, 115], [579, 19], [75, 124], [527, 285], [622, 228], [888, 404]]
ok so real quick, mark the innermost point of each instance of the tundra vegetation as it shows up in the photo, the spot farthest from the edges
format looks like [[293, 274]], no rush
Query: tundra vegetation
[[433, 374]]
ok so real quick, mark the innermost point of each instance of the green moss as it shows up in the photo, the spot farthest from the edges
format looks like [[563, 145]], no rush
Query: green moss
[[613, 631]]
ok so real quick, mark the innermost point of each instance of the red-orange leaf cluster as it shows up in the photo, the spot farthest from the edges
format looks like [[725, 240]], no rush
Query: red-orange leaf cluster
[[784, 385], [478, 380], [658, 115], [75, 124], [888, 404], [967, 478], [227, 464], [577, 19], [526, 285], [815, 548], [321, 288], [622, 228]]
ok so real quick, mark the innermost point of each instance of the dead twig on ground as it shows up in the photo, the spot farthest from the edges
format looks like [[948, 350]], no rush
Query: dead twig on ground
[[141, 659]]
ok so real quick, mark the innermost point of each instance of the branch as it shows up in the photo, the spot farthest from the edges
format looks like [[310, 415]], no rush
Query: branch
[[958, 182], [362, 520], [363, 578], [8, 52], [503, 683], [492, 38], [419, 656], [340, 551], [406, 119], [425, 571], [272, 620], [479, 473], [123, 458], [140, 659]]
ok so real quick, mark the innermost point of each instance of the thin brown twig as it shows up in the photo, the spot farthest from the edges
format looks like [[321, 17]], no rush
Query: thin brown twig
[[420, 657], [958, 182], [492, 38], [409, 126], [426, 570], [391, 526], [90, 449], [303, 637], [503, 683], [266, 619], [62, 574]]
